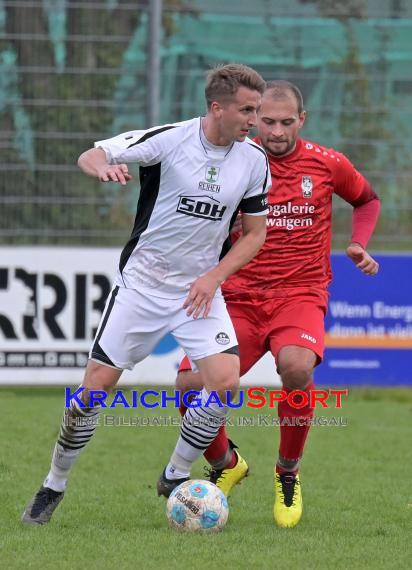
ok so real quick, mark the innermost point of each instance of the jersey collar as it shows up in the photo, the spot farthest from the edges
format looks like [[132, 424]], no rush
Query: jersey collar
[[210, 148]]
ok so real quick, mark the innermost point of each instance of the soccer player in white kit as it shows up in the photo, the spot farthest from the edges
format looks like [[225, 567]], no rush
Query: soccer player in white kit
[[195, 176]]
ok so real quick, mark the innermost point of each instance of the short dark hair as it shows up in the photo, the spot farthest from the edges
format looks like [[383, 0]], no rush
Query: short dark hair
[[279, 89], [223, 81]]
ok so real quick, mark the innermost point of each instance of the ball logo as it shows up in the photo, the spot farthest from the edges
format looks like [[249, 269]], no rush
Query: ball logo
[[197, 506], [222, 338]]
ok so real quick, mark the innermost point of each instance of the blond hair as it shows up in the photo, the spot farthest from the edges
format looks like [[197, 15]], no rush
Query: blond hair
[[223, 81]]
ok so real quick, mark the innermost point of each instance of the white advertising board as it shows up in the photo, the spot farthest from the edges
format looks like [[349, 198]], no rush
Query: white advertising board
[[51, 300]]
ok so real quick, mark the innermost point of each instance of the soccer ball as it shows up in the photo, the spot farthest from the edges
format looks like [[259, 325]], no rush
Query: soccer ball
[[197, 506]]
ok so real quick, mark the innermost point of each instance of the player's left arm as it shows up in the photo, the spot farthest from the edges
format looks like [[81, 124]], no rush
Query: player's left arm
[[203, 290], [353, 187]]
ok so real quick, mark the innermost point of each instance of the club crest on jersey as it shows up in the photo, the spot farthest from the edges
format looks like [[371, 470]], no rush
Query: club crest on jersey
[[307, 186], [212, 174]]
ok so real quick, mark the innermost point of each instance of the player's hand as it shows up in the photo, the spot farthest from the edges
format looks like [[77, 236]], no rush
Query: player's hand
[[200, 297], [115, 173], [362, 259]]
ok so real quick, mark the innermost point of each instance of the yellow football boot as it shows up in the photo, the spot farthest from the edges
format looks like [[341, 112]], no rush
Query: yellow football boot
[[288, 500], [226, 479]]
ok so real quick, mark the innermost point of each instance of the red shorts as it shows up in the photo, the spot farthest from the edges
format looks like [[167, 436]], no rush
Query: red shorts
[[269, 325]]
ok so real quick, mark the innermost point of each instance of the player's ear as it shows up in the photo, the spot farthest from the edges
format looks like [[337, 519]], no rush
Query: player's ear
[[216, 108], [302, 118]]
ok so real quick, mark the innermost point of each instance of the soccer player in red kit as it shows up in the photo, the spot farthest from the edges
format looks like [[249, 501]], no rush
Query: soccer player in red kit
[[278, 301]]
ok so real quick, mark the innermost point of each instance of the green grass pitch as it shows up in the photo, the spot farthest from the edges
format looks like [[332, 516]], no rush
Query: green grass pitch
[[356, 483]]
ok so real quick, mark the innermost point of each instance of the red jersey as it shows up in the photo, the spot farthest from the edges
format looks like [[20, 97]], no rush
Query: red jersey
[[299, 224]]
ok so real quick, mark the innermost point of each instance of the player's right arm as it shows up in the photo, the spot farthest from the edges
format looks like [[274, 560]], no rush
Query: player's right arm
[[109, 159], [94, 163], [202, 291]]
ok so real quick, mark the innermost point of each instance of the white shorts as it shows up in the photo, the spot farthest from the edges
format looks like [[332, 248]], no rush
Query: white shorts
[[134, 322]]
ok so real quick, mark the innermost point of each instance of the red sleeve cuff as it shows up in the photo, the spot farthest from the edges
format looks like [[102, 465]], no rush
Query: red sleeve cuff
[[364, 220]]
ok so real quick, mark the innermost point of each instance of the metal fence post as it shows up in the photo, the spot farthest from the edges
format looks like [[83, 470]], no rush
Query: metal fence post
[[153, 62]]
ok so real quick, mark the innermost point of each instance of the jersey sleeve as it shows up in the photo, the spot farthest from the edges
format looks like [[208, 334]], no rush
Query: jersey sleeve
[[349, 183], [255, 199], [353, 187], [145, 147]]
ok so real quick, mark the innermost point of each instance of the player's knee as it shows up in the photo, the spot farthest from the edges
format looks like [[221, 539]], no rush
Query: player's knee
[[225, 383], [228, 387], [221, 374], [100, 378], [187, 380], [296, 376]]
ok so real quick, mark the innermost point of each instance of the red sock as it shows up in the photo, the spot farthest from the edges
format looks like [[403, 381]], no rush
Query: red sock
[[293, 437], [219, 446]]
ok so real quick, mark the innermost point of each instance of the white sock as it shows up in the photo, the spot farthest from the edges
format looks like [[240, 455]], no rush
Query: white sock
[[174, 472], [62, 461], [199, 429]]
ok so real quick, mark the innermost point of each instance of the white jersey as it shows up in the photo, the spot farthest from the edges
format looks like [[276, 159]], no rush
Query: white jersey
[[190, 194]]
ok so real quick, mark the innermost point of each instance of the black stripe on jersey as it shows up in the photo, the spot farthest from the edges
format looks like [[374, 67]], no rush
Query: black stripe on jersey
[[149, 190], [257, 147], [254, 204], [151, 134], [227, 244]]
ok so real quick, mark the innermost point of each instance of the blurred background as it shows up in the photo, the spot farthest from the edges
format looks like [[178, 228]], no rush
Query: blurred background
[[75, 72]]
